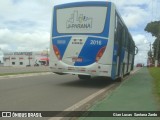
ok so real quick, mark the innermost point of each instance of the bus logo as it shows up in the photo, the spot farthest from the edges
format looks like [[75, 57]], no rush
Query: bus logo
[[79, 21]]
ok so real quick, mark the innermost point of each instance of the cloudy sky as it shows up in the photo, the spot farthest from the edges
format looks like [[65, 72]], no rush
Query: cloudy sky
[[25, 24]]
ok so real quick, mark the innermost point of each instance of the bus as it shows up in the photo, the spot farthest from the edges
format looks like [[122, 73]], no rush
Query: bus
[[90, 39]]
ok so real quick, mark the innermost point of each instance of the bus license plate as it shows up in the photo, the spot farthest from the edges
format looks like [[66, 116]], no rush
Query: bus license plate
[[75, 59]]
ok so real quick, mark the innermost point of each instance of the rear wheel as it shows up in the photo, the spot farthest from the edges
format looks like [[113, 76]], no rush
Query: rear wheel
[[120, 78], [84, 77], [128, 73]]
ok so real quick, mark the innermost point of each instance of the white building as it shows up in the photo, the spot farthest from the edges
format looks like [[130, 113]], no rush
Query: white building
[[25, 58]]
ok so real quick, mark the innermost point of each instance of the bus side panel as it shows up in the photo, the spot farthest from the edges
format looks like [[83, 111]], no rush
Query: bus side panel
[[130, 62], [107, 58], [107, 55], [125, 62], [113, 49], [52, 57]]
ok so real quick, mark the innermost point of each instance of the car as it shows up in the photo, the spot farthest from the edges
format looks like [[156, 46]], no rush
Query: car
[[36, 64], [139, 65], [28, 65]]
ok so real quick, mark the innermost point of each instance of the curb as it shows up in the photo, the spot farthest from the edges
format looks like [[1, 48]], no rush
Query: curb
[[24, 75]]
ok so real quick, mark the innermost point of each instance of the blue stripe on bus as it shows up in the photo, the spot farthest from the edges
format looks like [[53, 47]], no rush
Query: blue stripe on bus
[[122, 55], [105, 32], [121, 58], [89, 51], [61, 44], [114, 64]]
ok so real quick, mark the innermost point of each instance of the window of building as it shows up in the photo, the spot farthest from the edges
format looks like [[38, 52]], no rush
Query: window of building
[[13, 63], [21, 58], [6, 58], [21, 63]]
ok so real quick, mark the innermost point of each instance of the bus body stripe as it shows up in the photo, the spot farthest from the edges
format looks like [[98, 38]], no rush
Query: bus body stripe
[[89, 51], [61, 44]]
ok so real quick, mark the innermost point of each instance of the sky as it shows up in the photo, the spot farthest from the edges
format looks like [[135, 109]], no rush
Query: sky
[[25, 25]]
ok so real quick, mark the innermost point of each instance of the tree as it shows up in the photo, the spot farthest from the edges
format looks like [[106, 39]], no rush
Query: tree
[[154, 29]]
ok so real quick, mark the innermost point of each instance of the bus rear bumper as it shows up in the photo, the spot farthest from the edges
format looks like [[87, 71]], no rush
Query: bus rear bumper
[[95, 69]]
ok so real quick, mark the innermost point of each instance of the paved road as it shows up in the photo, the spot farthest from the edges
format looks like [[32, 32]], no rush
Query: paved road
[[45, 92], [49, 92]]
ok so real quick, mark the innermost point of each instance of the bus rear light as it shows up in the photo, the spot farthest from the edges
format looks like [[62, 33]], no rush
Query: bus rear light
[[100, 53], [57, 53]]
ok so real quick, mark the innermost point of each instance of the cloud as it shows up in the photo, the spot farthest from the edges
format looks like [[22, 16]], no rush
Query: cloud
[[24, 41], [140, 39], [142, 43], [134, 16], [25, 24], [32, 12]]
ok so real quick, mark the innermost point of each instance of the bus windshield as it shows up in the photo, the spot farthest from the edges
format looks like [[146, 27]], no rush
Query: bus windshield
[[88, 19]]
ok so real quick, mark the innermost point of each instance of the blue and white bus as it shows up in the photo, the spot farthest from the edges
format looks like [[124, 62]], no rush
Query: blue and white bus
[[90, 39]]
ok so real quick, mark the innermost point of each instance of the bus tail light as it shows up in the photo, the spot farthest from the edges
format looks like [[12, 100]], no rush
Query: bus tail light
[[56, 51], [100, 53]]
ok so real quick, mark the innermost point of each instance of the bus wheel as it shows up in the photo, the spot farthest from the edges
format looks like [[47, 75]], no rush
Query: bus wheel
[[84, 77], [119, 79], [128, 73]]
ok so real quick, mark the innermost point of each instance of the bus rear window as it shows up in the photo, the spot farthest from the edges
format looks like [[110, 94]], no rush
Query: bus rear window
[[81, 19]]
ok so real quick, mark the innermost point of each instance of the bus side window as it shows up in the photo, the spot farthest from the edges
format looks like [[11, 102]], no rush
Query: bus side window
[[132, 48], [116, 29], [124, 37], [120, 32], [129, 44], [126, 41]]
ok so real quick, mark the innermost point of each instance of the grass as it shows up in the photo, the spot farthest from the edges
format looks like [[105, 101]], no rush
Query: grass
[[155, 73], [5, 74]]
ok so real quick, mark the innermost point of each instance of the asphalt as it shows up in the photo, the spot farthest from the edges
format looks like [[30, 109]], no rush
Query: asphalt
[[134, 94], [47, 92]]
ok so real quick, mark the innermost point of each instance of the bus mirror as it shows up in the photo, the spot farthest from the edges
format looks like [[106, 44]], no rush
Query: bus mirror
[[136, 51]]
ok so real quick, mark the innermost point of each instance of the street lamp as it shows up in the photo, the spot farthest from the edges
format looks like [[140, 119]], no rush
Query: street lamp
[[157, 50]]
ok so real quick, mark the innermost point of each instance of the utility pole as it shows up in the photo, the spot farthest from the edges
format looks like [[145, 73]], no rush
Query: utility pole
[[47, 58], [150, 46], [150, 55], [156, 61]]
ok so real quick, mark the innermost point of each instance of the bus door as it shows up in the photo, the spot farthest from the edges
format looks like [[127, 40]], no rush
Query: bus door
[[120, 45], [129, 52]]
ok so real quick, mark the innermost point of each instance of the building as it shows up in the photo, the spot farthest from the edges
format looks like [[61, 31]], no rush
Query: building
[[26, 58]]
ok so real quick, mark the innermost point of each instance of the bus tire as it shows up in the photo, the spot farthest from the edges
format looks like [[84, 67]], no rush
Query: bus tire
[[84, 77], [119, 79], [128, 73]]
